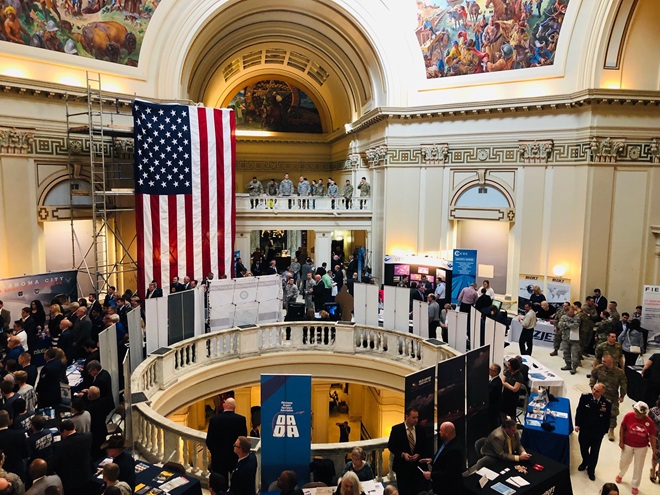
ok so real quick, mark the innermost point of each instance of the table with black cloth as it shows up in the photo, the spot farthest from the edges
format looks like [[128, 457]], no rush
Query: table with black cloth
[[554, 444], [555, 478], [636, 383], [145, 474]]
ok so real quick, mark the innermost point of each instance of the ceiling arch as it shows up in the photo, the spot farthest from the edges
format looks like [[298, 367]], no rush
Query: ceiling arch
[[316, 45]]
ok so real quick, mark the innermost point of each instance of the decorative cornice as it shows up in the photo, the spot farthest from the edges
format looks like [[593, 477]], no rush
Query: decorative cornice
[[16, 142], [606, 150], [376, 155], [535, 151], [435, 153]]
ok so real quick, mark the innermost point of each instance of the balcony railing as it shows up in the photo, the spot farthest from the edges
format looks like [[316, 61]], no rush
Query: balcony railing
[[307, 204], [159, 439]]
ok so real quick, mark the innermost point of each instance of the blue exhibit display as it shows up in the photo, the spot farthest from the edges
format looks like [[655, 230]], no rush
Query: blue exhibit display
[[464, 271], [286, 426]]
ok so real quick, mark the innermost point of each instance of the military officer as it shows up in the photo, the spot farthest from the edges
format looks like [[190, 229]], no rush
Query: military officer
[[603, 328], [348, 194], [570, 339], [616, 389], [592, 419], [286, 188]]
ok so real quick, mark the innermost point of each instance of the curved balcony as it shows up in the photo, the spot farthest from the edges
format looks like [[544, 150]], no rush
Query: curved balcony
[[187, 371], [297, 205]]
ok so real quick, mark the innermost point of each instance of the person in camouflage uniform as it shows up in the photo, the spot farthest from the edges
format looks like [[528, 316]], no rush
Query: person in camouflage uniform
[[588, 315], [286, 189], [290, 292], [557, 340], [614, 313], [255, 188], [303, 191], [320, 188], [603, 328], [616, 385], [569, 325], [348, 194], [611, 347], [365, 191], [272, 189]]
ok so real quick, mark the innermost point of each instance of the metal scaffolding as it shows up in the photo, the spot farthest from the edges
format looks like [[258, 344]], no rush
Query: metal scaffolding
[[106, 125]]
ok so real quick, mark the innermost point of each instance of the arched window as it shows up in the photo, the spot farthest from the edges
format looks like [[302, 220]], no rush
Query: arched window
[[482, 196]]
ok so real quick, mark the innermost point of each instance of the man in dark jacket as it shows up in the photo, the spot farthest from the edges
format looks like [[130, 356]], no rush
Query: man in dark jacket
[[224, 429], [448, 463], [71, 460], [48, 387], [243, 477], [408, 445], [592, 420], [14, 445]]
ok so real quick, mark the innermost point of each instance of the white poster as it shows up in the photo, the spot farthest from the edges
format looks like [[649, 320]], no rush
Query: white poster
[[651, 312], [559, 291]]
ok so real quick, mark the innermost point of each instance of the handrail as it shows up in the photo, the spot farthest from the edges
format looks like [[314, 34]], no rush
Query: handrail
[[159, 439]]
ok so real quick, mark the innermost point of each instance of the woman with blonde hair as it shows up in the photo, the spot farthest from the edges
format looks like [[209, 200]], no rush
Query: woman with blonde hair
[[536, 298], [56, 317], [349, 485]]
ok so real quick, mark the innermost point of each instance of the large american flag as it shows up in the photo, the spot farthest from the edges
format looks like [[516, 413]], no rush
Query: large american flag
[[184, 191]]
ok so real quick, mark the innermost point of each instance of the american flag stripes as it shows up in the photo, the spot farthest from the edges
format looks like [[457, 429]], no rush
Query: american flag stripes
[[184, 191]]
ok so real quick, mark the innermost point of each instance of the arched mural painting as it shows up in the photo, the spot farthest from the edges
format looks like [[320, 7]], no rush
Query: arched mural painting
[[272, 105], [461, 37], [110, 30]]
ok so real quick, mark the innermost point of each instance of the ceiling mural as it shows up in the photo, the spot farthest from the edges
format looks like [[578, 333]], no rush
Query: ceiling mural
[[272, 105], [110, 30], [459, 37]]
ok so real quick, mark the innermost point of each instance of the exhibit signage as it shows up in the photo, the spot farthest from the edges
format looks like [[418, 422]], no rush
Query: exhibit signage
[[651, 310], [559, 291], [420, 394], [464, 265], [286, 426]]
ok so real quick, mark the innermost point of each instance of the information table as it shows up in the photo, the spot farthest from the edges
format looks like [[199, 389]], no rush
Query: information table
[[554, 479], [154, 480], [540, 376], [556, 443], [544, 332]]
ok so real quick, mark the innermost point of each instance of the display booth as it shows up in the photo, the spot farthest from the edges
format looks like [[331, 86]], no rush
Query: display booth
[[414, 267]]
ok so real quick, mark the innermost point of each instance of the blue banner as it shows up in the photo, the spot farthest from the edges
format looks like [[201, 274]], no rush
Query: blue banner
[[286, 426], [464, 271]]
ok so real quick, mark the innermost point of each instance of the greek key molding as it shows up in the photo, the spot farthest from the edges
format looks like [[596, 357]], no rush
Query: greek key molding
[[282, 167], [535, 151], [16, 142]]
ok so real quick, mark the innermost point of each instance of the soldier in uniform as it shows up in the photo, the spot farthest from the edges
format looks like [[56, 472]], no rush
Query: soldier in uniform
[[348, 194], [286, 188], [615, 383], [603, 328], [255, 188], [271, 189], [303, 191], [611, 347], [588, 315], [557, 340], [320, 188], [569, 325], [592, 419], [614, 313], [290, 292], [365, 191]]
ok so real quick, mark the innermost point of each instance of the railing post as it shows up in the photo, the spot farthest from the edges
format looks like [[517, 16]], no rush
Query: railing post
[[345, 338], [165, 369]]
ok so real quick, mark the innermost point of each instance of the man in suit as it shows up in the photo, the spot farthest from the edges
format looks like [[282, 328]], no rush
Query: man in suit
[[71, 460], [101, 379], [408, 445], [224, 429], [82, 332], [448, 463], [592, 420], [416, 294], [154, 291], [40, 479], [48, 387], [186, 283], [14, 444], [30, 327], [494, 395], [109, 299], [503, 444], [176, 285], [623, 324], [243, 477], [600, 300]]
